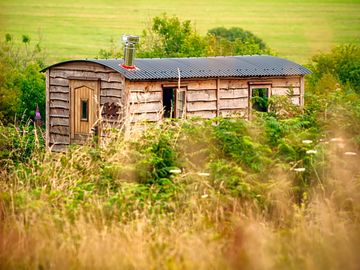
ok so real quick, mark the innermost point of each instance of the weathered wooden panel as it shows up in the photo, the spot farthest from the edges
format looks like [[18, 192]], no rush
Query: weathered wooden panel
[[201, 106], [285, 82], [59, 89], [59, 138], [58, 147], [201, 95], [202, 85], [296, 100], [59, 96], [84, 66], [151, 117], [141, 97], [115, 100], [116, 77], [55, 121], [146, 107], [233, 103], [202, 114], [234, 113], [233, 83], [59, 82], [57, 111], [285, 91], [64, 130], [59, 104], [111, 92], [233, 93], [144, 86], [111, 85]]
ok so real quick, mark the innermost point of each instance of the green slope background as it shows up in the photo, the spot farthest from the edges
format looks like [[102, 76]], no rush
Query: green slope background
[[79, 29]]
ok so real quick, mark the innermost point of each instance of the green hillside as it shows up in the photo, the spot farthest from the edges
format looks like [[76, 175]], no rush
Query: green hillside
[[78, 28]]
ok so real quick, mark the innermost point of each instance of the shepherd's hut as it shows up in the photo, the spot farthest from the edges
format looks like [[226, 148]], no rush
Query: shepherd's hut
[[81, 95]]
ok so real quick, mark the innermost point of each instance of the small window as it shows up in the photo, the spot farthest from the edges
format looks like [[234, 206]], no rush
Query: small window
[[84, 110], [260, 99]]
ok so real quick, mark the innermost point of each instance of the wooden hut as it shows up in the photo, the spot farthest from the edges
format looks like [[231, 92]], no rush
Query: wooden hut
[[83, 94]]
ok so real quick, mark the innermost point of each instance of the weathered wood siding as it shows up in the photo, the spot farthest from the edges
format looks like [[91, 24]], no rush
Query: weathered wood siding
[[58, 96], [207, 98]]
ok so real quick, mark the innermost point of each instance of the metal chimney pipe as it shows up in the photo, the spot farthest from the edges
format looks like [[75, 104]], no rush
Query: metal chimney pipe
[[129, 50]]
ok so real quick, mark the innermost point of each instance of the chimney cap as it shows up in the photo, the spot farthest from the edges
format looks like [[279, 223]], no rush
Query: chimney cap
[[130, 38]]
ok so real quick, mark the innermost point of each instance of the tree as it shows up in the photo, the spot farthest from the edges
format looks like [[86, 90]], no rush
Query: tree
[[235, 41], [341, 64], [169, 37]]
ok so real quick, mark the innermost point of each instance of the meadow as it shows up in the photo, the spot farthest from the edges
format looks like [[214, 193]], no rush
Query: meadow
[[79, 29]]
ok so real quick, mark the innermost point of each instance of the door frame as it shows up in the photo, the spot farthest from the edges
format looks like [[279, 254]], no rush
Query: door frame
[[74, 83], [175, 88], [255, 85]]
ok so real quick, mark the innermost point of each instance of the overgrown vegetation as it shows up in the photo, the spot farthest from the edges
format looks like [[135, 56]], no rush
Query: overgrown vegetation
[[279, 192], [22, 86]]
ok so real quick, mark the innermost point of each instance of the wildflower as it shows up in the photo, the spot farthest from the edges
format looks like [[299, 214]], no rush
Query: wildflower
[[350, 154], [311, 152], [204, 196], [299, 169], [175, 171], [307, 141], [203, 174]]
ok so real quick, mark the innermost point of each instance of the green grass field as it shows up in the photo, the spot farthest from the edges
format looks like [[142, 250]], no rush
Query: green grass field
[[78, 29]]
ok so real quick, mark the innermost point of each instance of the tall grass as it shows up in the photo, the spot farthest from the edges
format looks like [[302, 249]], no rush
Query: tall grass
[[189, 194]]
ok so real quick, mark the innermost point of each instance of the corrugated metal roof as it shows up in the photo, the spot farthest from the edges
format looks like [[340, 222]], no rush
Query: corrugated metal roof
[[203, 67]]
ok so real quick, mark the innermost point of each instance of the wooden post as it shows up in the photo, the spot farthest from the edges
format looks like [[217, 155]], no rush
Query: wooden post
[[302, 92], [217, 96], [47, 109]]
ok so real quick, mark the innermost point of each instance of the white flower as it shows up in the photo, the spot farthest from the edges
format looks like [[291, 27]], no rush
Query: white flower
[[299, 169], [175, 171], [203, 174], [204, 196], [350, 153], [307, 141], [311, 152]]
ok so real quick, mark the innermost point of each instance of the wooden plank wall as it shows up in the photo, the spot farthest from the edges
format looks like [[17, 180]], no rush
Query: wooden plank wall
[[58, 105], [205, 98]]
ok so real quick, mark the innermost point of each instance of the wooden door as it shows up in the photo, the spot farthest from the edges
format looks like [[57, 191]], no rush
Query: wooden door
[[84, 109]]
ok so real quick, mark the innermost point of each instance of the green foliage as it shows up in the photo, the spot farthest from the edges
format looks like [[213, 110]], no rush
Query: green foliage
[[22, 86], [157, 158], [341, 65], [169, 37], [235, 41], [235, 142], [18, 143]]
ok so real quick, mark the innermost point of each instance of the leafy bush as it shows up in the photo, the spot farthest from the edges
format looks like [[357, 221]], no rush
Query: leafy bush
[[22, 86], [341, 65]]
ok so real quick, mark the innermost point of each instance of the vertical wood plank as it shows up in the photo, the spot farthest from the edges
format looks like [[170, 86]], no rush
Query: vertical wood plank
[[217, 97], [47, 109], [302, 91]]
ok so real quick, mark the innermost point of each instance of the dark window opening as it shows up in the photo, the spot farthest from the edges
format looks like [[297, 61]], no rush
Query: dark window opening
[[84, 110], [259, 99], [169, 102]]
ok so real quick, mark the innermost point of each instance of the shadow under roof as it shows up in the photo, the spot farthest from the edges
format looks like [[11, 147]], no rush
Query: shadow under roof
[[202, 67]]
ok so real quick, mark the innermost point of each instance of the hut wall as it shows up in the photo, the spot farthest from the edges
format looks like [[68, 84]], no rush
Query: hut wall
[[58, 96], [206, 98]]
